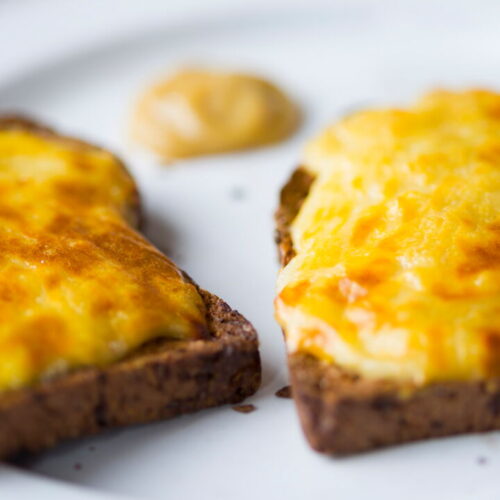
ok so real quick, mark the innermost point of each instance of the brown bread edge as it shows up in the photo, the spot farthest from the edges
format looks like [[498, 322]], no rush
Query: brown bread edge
[[161, 380], [342, 413]]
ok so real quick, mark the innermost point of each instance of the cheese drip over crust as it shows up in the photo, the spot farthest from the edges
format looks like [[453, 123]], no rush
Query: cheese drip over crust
[[397, 266], [78, 285]]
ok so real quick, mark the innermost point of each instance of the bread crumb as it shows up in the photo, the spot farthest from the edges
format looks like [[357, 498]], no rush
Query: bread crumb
[[238, 193], [284, 392], [244, 408]]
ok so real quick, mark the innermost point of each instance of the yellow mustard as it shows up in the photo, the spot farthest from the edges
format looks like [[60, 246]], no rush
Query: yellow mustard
[[197, 112]]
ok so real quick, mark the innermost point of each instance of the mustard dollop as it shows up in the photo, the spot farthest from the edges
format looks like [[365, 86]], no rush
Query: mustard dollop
[[197, 112]]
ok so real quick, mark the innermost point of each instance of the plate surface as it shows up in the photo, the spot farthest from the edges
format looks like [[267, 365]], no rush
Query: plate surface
[[214, 217]]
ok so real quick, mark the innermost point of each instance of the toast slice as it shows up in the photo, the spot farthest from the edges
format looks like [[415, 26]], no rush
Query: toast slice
[[343, 413], [160, 378]]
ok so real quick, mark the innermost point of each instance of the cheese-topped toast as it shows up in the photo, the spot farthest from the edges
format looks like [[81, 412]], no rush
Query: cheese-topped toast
[[98, 328], [390, 286]]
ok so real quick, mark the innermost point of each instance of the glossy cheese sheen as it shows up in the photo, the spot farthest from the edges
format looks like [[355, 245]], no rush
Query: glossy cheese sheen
[[78, 285], [397, 272]]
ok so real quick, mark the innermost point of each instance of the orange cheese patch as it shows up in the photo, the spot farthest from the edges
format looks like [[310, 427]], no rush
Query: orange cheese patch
[[78, 285]]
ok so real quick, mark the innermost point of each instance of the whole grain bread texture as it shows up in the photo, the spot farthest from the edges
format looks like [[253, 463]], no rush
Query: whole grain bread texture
[[343, 413], [161, 379]]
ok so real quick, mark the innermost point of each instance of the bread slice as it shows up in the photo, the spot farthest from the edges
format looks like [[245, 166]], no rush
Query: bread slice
[[343, 413], [161, 379]]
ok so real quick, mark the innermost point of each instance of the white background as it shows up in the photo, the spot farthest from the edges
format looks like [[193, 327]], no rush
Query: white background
[[77, 65]]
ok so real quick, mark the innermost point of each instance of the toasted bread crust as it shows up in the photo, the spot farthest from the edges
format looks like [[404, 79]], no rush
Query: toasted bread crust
[[342, 413], [160, 380]]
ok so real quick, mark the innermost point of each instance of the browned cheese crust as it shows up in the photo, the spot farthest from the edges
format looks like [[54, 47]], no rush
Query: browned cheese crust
[[342, 413], [160, 380]]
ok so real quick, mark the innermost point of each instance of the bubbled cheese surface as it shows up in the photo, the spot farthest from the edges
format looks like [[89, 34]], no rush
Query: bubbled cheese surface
[[397, 271]]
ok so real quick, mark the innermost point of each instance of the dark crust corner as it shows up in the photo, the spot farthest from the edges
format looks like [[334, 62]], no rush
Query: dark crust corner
[[160, 380], [291, 197], [342, 413]]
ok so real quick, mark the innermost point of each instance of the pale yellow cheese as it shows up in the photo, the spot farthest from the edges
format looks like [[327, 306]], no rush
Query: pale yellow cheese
[[397, 272]]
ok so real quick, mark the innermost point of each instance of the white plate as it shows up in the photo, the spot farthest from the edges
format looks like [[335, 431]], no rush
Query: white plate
[[332, 59]]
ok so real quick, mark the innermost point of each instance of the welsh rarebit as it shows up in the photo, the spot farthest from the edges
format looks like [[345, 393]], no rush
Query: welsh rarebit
[[389, 236], [98, 328]]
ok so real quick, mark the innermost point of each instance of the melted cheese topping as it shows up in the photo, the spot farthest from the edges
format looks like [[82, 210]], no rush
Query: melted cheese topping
[[198, 112], [78, 286], [397, 271]]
